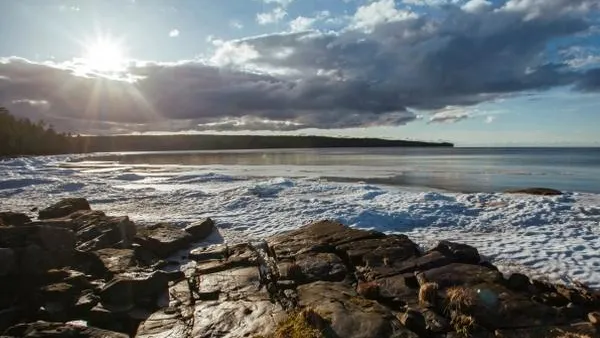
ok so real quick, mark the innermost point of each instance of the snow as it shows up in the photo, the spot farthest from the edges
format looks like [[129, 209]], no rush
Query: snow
[[556, 238]]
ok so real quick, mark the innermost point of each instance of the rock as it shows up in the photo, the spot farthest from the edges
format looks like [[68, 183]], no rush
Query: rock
[[125, 291], [461, 253], [369, 290], [457, 274], [95, 232], [163, 239], [349, 315], [399, 290], [424, 322], [14, 218], [518, 282], [320, 266], [428, 261], [582, 330], [201, 229], [380, 251], [536, 191], [58, 330], [116, 260], [594, 318], [64, 208], [8, 261], [86, 302], [322, 236], [38, 248]]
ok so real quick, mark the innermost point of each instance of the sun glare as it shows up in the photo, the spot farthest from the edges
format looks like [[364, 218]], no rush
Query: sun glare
[[105, 56]]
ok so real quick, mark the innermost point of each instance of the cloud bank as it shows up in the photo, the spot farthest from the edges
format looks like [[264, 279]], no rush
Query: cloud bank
[[385, 65]]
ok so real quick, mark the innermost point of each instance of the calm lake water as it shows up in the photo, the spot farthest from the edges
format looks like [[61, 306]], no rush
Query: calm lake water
[[454, 169]]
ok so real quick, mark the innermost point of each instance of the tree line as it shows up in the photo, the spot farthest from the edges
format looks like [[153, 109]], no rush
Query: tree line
[[24, 137]]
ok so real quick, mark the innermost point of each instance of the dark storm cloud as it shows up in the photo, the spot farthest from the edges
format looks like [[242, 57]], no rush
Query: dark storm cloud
[[313, 79]]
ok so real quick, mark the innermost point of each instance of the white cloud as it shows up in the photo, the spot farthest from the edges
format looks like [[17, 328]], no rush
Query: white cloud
[[174, 33], [274, 16], [449, 114], [490, 119], [301, 23], [236, 24], [476, 6], [281, 3], [430, 2], [378, 12]]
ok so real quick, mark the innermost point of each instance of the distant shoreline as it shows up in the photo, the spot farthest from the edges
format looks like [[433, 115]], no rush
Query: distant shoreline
[[89, 144]]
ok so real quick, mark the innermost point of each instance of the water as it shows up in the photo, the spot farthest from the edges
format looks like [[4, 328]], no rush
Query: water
[[419, 192], [451, 169]]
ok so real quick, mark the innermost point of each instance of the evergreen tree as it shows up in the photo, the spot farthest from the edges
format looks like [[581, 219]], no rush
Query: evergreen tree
[[23, 137]]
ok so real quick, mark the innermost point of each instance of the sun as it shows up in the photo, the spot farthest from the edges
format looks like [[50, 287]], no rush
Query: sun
[[104, 55]]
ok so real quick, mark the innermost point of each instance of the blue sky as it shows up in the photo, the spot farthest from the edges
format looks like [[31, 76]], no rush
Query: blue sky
[[473, 72]]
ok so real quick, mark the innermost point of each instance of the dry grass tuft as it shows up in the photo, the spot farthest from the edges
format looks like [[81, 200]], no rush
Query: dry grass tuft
[[304, 324], [460, 298], [463, 325], [428, 293]]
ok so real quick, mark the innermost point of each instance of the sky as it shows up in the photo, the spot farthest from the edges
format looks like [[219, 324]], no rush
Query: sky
[[472, 72]]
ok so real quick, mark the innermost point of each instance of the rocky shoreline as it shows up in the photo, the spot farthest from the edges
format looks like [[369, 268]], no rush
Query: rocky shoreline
[[76, 272]]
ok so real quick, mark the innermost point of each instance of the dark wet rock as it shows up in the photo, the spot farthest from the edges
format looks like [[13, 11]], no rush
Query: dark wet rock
[[581, 330], [349, 314], [399, 290], [424, 321], [95, 233], [428, 261], [518, 282], [37, 248], [201, 229], [14, 218], [86, 302], [163, 239], [321, 236], [457, 274], [380, 251], [460, 253], [116, 260], [536, 191], [58, 330], [8, 261], [319, 266], [64, 208], [127, 290]]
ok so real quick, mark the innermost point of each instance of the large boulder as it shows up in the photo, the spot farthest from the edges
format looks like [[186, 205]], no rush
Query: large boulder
[[201, 229], [14, 218], [94, 230], [58, 330], [8, 261], [163, 239], [64, 208], [116, 260], [38, 248], [127, 290]]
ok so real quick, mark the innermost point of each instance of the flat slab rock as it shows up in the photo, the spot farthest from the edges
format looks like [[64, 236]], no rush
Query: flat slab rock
[[163, 239], [59, 330]]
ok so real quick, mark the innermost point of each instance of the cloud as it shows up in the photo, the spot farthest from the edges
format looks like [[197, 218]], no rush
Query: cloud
[[281, 3], [490, 118], [274, 16], [379, 72], [174, 33], [236, 24], [378, 12], [449, 115], [301, 23], [476, 6]]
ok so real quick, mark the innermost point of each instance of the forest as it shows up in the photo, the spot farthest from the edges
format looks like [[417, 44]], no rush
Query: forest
[[24, 137], [19, 136]]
